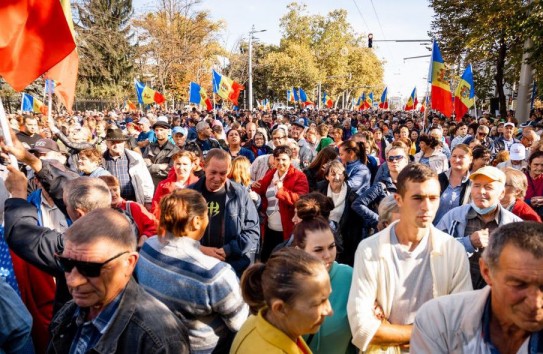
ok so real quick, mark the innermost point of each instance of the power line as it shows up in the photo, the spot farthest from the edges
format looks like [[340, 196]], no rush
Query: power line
[[378, 20], [362, 16]]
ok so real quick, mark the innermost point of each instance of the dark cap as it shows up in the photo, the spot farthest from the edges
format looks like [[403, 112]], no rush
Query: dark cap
[[115, 135], [43, 146]]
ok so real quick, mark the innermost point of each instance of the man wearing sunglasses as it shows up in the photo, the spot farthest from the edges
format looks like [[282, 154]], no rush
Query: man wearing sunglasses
[[110, 312]]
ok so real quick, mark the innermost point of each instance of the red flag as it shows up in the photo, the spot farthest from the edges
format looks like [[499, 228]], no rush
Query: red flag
[[34, 37], [234, 94]]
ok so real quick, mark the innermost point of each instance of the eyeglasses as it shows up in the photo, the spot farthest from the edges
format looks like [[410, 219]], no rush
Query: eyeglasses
[[86, 269], [395, 158]]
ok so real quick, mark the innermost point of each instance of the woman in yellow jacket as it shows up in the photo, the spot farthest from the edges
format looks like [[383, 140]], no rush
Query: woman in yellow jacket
[[290, 293]]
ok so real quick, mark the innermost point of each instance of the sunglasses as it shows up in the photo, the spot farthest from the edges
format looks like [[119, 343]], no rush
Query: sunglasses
[[395, 158], [86, 269], [481, 134]]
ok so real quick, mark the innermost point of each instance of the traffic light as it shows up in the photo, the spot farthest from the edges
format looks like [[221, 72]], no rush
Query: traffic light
[[370, 40]]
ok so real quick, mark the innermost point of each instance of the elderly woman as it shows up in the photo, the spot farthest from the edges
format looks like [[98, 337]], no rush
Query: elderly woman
[[431, 155], [290, 293], [534, 193], [516, 184], [258, 145], [279, 189], [170, 264], [389, 211], [481, 157], [90, 163]]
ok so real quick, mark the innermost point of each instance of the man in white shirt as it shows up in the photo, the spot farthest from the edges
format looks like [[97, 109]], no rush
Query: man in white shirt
[[403, 266], [504, 317]]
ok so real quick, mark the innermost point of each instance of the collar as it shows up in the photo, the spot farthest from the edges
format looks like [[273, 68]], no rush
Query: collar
[[472, 214], [276, 337], [485, 333], [104, 318]]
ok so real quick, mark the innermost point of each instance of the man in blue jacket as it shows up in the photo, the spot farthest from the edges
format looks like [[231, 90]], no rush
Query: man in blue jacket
[[233, 233]]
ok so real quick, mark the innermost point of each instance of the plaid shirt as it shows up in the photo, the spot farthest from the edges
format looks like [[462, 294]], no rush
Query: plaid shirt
[[118, 167], [89, 332]]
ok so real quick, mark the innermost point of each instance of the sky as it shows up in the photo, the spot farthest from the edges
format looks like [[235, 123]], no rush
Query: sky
[[386, 19]]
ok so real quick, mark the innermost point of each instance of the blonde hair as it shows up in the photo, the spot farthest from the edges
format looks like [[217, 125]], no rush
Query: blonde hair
[[241, 171], [517, 179]]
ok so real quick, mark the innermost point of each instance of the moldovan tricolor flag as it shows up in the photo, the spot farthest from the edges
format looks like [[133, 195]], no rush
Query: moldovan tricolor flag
[[441, 89], [34, 37], [65, 72], [384, 99], [290, 96], [303, 97], [464, 94], [198, 96], [31, 104], [327, 101], [226, 88], [412, 101], [147, 95]]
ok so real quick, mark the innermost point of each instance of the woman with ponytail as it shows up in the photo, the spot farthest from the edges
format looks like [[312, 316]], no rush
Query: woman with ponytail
[[289, 295], [353, 156], [313, 235], [202, 290]]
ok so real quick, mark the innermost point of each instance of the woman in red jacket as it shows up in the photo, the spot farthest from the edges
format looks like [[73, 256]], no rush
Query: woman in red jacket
[[279, 189], [516, 184], [179, 177]]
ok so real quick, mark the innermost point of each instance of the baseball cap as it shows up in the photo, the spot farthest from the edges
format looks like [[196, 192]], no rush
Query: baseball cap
[[43, 146], [181, 130], [144, 120], [491, 172], [509, 124], [517, 152], [299, 122]]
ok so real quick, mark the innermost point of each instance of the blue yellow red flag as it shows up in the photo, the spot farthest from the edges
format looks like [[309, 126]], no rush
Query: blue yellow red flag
[[290, 96], [464, 94], [31, 104], [411, 101], [383, 104], [226, 88], [303, 98], [198, 95], [441, 98], [147, 95]]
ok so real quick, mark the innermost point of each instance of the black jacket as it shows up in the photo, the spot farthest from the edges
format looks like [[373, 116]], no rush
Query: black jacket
[[141, 324]]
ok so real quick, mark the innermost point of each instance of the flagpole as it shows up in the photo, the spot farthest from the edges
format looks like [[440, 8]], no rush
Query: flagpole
[[22, 101], [50, 103], [7, 133], [429, 79]]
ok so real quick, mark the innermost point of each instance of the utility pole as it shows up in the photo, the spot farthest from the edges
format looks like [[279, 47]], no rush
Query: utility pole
[[525, 82], [251, 32]]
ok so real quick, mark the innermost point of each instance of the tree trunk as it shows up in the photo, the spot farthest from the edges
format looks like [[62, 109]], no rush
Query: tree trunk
[[500, 63]]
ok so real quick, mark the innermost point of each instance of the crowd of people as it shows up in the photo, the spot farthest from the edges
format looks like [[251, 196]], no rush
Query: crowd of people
[[292, 231]]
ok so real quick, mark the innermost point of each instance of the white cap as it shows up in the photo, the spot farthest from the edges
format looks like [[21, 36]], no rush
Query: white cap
[[517, 152]]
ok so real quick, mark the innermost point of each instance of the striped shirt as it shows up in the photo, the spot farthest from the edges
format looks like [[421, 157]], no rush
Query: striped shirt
[[202, 290]]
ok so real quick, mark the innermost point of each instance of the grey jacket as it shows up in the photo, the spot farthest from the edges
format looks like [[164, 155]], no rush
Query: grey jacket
[[455, 221]]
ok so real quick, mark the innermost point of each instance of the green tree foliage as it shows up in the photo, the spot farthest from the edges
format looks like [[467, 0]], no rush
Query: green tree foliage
[[486, 34], [313, 49], [178, 45], [106, 46]]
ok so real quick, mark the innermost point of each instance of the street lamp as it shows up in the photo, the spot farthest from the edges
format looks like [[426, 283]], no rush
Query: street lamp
[[251, 32]]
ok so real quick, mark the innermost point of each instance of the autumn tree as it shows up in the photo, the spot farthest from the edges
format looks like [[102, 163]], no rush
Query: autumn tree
[[106, 46], [177, 45], [315, 49], [487, 35]]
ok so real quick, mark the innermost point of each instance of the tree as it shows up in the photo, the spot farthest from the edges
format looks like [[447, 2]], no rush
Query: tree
[[178, 45], [487, 35], [314, 49], [106, 46]]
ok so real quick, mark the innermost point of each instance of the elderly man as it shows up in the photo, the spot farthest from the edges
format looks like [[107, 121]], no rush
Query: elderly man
[[110, 312], [472, 223], [505, 141], [233, 233], [403, 266], [204, 139], [129, 168], [147, 135], [504, 317]]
